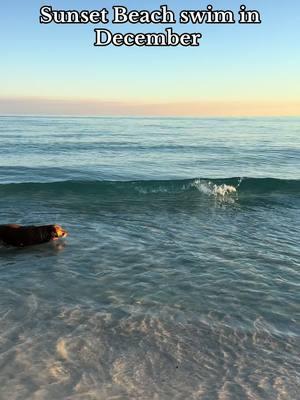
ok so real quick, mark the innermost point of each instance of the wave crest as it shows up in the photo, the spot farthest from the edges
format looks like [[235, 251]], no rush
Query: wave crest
[[219, 188]]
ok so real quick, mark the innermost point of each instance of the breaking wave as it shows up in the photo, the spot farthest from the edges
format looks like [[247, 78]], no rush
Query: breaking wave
[[203, 186]]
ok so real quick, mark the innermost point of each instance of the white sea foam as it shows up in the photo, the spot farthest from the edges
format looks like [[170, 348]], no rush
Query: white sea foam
[[203, 186], [213, 189]]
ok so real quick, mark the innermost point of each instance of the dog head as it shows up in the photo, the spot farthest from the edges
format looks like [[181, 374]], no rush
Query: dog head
[[58, 232]]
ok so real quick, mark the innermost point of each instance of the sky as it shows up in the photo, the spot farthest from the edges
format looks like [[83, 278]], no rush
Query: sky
[[238, 70]]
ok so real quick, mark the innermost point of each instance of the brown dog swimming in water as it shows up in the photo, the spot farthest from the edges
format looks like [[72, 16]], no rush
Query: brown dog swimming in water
[[21, 236]]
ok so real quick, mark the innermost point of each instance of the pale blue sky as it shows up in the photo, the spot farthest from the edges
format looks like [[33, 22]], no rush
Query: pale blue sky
[[234, 63]]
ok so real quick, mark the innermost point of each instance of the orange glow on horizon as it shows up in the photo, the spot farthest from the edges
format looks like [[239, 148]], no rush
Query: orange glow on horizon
[[92, 107]]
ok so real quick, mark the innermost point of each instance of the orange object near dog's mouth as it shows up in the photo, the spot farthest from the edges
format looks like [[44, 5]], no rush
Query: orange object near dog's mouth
[[59, 232]]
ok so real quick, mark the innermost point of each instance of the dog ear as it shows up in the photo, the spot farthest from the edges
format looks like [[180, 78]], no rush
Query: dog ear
[[54, 232]]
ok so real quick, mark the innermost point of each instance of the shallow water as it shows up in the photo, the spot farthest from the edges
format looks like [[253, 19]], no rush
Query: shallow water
[[179, 279]]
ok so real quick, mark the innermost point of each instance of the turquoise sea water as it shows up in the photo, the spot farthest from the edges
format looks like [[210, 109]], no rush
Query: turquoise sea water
[[180, 278]]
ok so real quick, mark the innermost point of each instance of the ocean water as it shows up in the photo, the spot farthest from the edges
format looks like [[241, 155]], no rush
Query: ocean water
[[180, 278]]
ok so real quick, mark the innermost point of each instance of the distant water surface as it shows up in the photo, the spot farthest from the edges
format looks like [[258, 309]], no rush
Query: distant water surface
[[181, 275]]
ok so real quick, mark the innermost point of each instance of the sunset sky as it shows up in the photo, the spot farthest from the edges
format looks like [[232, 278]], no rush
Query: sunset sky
[[237, 70]]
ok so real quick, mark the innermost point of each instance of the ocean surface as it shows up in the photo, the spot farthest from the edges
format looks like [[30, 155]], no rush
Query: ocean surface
[[180, 278]]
